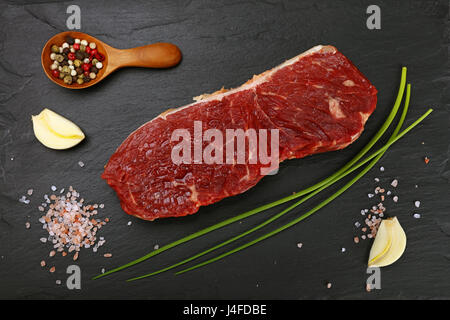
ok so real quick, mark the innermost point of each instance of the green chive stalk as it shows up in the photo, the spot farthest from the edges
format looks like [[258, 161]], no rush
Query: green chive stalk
[[312, 211]]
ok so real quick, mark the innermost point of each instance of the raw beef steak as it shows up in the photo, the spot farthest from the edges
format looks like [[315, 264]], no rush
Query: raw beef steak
[[318, 101]]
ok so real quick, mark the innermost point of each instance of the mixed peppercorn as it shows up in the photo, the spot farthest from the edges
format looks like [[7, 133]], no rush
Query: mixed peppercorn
[[76, 61]]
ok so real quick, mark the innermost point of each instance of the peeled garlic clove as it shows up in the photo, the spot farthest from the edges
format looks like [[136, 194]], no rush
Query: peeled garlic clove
[[55, 131], [389, 244]]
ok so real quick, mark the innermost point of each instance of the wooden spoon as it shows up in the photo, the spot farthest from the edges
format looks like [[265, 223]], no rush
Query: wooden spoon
[[157, 55]]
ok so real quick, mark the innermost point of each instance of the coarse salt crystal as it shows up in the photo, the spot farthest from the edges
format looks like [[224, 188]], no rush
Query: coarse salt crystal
[[30, 192], [416, 215], [343, 250], [394, 183], [53, 188], [417, 204], [370, 195], [69, 225], [81, 164], [129, 223], [395, 198], [381, 169], [43, 240], [156, 247], [299, 245]]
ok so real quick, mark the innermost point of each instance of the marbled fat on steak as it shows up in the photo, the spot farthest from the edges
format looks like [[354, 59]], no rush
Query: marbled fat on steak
[[318, 100]]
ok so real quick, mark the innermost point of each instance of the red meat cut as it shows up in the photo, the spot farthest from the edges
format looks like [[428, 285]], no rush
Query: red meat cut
[[319, 101]]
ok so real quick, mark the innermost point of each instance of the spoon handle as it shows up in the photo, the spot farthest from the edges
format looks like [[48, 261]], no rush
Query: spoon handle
[[156, 55]]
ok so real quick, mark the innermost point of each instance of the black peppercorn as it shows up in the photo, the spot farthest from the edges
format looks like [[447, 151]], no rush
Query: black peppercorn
[[79, 70], [70, 40], [66, 50], [94, 70], [79, 55]]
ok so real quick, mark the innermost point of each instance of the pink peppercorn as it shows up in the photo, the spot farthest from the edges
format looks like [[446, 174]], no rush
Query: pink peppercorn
[[86, 66], [93, 52], [99, 56]]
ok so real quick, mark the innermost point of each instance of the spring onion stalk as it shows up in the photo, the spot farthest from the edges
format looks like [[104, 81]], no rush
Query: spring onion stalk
[[296, 195], [304, 216], [290, 208]]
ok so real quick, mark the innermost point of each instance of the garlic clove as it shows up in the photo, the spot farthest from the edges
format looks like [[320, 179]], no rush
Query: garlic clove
[[55, 131], [389, 244]]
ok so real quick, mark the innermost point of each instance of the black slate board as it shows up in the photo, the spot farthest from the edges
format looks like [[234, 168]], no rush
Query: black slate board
[[224, 44]]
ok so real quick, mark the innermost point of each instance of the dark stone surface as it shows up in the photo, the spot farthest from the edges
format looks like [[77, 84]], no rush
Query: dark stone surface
[[224, 44]]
